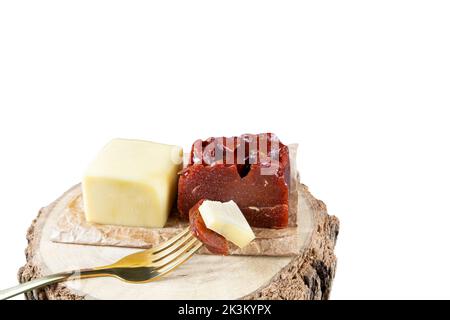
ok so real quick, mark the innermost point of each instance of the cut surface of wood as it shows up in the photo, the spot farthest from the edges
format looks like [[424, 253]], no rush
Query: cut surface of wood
[[308, 275]]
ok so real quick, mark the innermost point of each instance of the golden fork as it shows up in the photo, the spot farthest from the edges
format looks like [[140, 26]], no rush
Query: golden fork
[[140, 267]]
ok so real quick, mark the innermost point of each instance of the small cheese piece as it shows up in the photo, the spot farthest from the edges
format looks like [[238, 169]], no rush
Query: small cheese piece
[[226, 219], [214, 242], [132, 183]]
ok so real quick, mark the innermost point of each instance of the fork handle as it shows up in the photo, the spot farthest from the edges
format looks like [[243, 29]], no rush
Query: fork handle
[[34, 284], [51, 279]]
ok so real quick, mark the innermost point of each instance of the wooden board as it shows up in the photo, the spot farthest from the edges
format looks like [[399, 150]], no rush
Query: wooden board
[[308, 275]]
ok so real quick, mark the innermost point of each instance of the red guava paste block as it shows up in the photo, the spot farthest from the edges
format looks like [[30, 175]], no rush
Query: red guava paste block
[[251, 170], [213, 241]]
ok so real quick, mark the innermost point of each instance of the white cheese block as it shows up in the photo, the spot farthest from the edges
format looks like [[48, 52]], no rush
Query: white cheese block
[[226, 219], [132, 183]]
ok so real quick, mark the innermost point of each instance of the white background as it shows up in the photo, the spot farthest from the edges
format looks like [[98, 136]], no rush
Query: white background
[[362, 86]]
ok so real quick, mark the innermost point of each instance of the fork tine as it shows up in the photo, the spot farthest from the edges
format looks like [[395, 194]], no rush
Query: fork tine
[[178, 261], [169, 242], [166, 256], [162, 253]]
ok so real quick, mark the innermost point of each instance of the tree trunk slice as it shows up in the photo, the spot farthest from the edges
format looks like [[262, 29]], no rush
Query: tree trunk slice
[[306, 276]]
